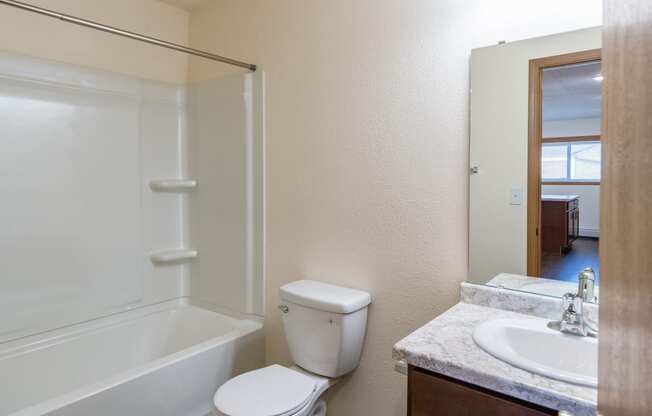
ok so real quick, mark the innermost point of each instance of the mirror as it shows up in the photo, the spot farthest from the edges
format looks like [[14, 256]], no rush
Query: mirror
[[535, 163]]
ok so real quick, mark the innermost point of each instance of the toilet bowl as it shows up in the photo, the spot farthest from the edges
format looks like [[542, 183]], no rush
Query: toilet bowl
[[273, 391], [325, 327]]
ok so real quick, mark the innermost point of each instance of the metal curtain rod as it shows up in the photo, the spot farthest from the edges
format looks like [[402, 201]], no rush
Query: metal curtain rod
[[126, 34]]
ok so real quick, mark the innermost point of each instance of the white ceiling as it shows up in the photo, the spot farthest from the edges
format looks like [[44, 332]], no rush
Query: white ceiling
[[570, 92], [187, 4]]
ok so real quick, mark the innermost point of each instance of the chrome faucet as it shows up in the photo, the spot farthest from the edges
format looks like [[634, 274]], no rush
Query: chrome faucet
[[586, 285], [572, 318]]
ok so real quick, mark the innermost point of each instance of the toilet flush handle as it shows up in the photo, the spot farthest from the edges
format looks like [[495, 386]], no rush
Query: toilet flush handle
[[284, 308]]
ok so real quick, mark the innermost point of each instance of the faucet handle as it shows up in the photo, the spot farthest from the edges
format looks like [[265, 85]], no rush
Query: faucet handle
[[572, 303], [572, 320]]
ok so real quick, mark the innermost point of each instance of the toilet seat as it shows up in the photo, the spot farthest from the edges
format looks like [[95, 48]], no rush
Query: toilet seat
[[269, 391]]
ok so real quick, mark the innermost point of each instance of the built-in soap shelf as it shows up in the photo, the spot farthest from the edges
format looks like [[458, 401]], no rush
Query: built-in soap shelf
[[172, 185], [176, 256]]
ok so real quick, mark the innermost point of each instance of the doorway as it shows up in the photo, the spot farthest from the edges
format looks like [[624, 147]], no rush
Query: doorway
[[564, 165]]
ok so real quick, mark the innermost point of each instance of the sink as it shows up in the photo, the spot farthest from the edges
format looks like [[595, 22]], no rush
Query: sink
[[530, 345]]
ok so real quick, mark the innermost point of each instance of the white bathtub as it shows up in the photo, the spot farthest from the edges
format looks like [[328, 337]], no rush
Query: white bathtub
[[162, 360]]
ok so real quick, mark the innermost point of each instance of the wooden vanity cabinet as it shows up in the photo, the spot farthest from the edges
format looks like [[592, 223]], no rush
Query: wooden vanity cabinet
[[432, 394]]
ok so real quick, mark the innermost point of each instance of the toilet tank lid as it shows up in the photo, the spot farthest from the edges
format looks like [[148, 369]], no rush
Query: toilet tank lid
[[325, 297]]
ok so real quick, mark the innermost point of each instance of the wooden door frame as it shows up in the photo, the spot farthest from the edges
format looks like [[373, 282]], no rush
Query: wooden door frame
[[535, 139]]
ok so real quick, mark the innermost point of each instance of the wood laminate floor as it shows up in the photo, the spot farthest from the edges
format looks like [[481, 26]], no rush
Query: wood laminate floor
[[567, 266]]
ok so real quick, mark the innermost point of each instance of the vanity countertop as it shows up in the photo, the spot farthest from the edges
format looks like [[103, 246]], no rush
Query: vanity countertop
[[559, 198], [445, 345]]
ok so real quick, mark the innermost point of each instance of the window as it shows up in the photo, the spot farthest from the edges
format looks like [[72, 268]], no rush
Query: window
[[571, 162]]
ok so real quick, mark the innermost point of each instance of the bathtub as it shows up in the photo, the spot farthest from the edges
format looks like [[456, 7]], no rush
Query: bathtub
[[162, 360]]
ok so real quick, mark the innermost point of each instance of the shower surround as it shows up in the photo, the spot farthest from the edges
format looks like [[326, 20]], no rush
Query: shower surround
[[132, 209]]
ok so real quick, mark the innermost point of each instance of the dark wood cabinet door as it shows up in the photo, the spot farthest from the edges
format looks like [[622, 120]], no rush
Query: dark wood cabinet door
[[560, 225], [431, 394], [554, 226]]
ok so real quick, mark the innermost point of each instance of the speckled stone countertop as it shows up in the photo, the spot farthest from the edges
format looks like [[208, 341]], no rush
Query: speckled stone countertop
[[445, 345]]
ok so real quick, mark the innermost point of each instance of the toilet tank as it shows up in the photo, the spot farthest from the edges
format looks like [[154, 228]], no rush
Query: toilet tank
[[324, 325]]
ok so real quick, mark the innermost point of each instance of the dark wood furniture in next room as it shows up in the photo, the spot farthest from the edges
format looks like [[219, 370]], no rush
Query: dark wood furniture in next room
[[560, 222]]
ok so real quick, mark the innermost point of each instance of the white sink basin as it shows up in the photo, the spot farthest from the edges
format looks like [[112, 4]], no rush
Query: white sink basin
[[529, 344]]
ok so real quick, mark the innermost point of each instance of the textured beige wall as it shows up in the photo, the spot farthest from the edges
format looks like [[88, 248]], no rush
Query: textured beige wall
[[48, 38], [367, 147]]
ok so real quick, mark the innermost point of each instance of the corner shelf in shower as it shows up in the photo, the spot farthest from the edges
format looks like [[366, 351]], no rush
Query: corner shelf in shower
[[177, 256], [172, 185]]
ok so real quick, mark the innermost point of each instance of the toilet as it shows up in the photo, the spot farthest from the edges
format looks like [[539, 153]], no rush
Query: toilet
[[324, 327]]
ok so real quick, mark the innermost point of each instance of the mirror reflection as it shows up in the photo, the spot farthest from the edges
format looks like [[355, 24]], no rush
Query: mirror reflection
[[535, 165], [570, 168]]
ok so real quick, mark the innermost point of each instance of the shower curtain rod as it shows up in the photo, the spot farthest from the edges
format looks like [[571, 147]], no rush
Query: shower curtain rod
[[126, 34]]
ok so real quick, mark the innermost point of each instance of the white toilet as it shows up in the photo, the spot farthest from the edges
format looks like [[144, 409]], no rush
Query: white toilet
[[325, 327]]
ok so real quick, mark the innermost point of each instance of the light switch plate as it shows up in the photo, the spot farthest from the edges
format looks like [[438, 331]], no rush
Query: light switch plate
[[516, 196]]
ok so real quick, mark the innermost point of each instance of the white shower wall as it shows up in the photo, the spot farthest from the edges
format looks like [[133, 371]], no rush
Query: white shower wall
[[79, 220], [226, 151]]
